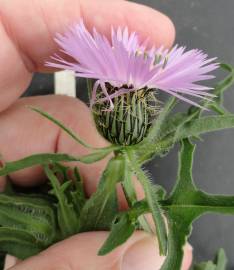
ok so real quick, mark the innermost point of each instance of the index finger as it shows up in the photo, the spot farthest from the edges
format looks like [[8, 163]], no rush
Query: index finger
[[27, 29]]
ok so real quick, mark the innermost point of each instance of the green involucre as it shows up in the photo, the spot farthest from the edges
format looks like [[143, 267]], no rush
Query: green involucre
[[128, 123]]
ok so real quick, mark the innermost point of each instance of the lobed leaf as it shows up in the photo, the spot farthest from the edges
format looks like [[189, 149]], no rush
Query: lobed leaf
[[121, 230], [123, 227], [185, 204], [194, 128]]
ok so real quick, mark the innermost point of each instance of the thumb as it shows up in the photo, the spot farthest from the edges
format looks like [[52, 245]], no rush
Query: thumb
[[80, 252]]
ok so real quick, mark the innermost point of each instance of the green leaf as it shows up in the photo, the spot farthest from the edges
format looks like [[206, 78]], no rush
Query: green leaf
[[205, 266], [121, 230], [225, 84], [72, 134], [221, 260], [172, 123], [152, 200], [78, 194], [100, 210], [96, 155], [47, 158], [185, 204], [38, 159], [206, 124], [62, 126], [123, 227], [18, 243], [71, 186], [217, 102], [34, 215], [219, 263], [67, 217], [194, 128]]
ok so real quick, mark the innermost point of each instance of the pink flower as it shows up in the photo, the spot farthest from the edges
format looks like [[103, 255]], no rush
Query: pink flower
[[128, 65]]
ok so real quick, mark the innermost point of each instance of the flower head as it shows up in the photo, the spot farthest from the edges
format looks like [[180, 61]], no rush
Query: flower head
[[126, 75], [128, 65]]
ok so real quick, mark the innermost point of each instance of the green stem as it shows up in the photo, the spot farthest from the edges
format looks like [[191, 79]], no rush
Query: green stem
[[131, 197], [152, 200]]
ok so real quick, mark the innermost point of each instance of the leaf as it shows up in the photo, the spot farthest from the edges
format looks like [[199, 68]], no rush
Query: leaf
[[185, 204], [206, 124], [219, 263], [172, 123], [226, 83], [205, 266], [192, 129], [71, 186], [123, 227], [100, 210], [33, 215], [47, 158], [67, 217], [72, 134], [221, 260], [78, 194], [18, 243], [152, 200], [217, 102], [62, 126], [33, 160], [121, 230], [95, 156]]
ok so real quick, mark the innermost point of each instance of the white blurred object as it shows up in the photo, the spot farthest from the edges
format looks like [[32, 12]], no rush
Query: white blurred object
[[10, 261], [65, 83]]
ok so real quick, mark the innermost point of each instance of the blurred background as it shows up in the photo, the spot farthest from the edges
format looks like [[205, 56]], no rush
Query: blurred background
[[207, 25]]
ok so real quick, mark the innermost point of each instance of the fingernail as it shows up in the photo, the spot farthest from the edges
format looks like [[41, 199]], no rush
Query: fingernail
[[143, 255]]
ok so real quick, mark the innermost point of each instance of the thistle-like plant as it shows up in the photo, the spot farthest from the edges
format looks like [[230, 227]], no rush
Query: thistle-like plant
[[123, 80]]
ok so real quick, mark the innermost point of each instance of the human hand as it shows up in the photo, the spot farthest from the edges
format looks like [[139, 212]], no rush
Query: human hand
[[27, 29]]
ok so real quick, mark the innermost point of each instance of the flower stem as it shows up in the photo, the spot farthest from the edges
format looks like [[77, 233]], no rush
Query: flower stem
[[131, 196]]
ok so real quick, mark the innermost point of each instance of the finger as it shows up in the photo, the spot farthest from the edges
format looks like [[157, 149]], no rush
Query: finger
[[80, 252], [27, 28]]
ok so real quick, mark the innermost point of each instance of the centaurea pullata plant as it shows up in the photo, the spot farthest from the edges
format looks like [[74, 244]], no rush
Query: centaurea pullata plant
[[124, 81]]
